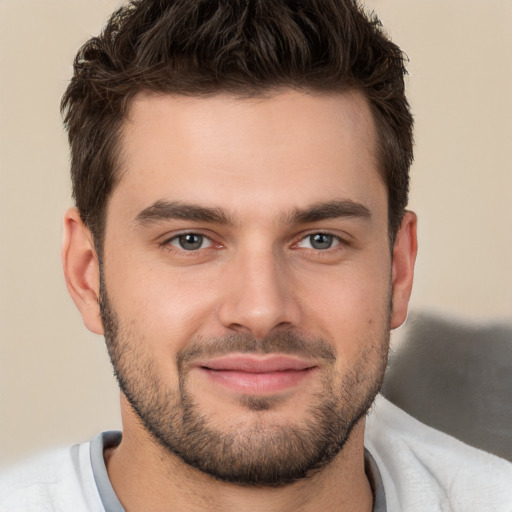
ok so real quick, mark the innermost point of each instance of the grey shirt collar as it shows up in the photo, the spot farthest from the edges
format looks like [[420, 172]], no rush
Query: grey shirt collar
[[100, 443]]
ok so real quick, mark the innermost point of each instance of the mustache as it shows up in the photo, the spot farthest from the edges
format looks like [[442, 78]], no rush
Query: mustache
[[286, 342]]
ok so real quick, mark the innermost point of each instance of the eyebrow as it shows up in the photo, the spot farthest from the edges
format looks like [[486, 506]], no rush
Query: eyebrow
[[168, 210], [345, 208]]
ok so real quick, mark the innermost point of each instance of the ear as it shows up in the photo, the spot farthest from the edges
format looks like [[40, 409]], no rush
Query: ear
[[81, 269], [404, 257]]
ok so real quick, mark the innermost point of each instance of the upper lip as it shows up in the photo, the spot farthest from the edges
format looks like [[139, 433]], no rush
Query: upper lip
[[256, 364]]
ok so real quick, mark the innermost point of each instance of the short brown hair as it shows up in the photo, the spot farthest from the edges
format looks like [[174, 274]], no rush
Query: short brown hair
[[244, 47]]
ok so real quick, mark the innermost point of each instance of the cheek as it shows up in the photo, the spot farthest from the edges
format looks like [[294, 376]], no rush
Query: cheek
[[165, 305], [351, 306]]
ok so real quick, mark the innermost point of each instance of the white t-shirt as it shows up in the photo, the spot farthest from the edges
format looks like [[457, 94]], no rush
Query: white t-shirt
[[425, 470], [418, 469]]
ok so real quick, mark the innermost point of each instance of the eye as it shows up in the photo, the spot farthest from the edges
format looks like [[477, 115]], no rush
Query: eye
[[190, 241], [319, 241]]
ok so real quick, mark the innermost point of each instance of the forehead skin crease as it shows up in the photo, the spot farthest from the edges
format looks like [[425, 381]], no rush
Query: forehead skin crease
[[251, 143]]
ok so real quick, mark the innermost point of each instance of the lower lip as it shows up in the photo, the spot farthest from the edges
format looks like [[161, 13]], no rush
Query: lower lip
[[258, 383]]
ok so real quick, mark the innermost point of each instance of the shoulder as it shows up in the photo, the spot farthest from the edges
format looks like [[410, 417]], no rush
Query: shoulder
[[423, 469], [49, 482]]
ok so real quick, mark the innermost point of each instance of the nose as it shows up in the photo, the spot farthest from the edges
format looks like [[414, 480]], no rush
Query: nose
[[258, 295]]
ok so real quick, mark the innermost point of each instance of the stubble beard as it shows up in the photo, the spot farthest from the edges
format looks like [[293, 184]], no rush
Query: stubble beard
[[262, 453]]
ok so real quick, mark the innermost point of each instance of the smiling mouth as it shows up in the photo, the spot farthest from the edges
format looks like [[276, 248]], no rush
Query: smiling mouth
[[257, 375]]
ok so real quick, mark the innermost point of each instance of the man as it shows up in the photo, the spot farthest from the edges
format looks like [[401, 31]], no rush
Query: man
[[240, 172]]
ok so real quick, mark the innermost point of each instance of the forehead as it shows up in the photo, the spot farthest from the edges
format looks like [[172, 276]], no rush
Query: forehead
[[284, 151]]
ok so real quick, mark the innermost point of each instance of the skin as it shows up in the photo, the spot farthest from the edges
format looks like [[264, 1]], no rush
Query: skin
[[259, 160]]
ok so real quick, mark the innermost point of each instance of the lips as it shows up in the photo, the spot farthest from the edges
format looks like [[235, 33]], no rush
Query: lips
[[257, 364], [256, 375]]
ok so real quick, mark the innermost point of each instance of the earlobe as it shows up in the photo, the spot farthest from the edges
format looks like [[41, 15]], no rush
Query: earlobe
[[81, 269], [404, 258]]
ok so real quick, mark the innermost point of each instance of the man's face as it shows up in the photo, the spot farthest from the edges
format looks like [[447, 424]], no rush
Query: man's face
[[247, 278]]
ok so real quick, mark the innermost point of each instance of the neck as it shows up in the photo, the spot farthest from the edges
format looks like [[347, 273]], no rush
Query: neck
[[146, 477]]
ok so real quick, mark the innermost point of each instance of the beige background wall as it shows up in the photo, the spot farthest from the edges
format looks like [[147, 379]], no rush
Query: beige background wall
[[55, 381]]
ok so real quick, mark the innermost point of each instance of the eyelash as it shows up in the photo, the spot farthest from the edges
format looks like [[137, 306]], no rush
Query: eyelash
[[335, 240], [168, 242]]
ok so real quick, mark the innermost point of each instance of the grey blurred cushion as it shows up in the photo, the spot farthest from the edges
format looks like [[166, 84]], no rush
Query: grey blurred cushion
[[457, 378]]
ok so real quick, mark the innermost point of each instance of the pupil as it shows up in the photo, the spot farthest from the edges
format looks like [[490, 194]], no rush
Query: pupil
[[321, 241], [191, 241]]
